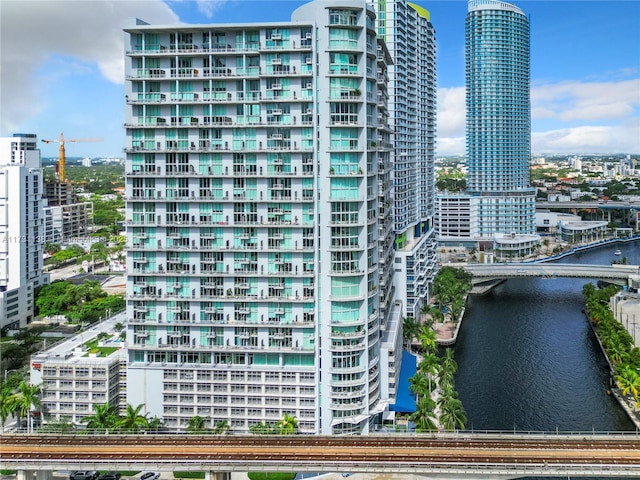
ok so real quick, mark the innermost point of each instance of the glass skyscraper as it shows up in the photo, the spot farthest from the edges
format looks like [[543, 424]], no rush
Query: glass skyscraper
[[498, 141]]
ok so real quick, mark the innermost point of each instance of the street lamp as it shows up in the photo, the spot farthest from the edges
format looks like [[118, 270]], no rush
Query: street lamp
[[7, 371]]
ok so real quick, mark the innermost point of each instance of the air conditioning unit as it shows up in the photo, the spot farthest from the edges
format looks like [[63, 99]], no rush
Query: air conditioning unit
[[309, 111], [308, 61], [276, 36], [309, 85], [276, 112]]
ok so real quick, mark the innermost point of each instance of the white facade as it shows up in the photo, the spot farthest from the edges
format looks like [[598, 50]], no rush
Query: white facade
[[21, 228], [258, 209], [407, 30], [75, 378]]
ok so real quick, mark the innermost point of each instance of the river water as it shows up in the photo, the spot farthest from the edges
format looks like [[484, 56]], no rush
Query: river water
[[528, 360]]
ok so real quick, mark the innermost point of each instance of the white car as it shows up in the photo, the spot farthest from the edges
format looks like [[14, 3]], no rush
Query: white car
[[150, 476]]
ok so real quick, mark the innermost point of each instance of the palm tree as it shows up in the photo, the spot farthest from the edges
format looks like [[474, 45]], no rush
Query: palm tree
[[104, 417], [410, 329], [424, 416], [629, 381], [452, 414], [448, 395], [155, 423], [6, 405], [24, 400], [436, 314], [430, 364], [288, 425], [616, 350], [196, 424], [133, 421], [420, 385], [221, 427], [427, 338], [456, 308], [448, 361], [448, 369]]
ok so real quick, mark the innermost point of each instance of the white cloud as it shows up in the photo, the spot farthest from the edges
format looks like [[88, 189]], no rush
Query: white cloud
[[586, 101], [209, 7], [609, 110], [87, 31], [622, 138], [451, 111]]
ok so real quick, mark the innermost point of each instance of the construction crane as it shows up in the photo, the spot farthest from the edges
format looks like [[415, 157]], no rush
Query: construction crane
[[62, 159]]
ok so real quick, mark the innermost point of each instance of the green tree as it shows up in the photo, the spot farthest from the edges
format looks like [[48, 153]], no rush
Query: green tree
[[6, 405], [104, 418], [133, 421], [221, 427], [448, 368], [410, 329], [196, 424], [24, 400], [424, 416], [430, 367], [427, 338], [420, 385], [288, 425], [628, 381], [155, 423], [452, 415]]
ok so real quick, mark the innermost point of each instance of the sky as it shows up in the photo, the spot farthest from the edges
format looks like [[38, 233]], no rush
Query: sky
[[62, 68]]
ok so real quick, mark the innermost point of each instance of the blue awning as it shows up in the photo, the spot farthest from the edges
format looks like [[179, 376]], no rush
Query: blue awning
[[405, 400]]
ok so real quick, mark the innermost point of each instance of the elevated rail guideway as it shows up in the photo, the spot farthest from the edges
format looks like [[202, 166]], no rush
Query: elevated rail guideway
[[462, 455], [618, 274]]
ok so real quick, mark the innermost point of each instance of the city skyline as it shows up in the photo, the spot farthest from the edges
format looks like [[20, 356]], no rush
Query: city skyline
[[585, 87]]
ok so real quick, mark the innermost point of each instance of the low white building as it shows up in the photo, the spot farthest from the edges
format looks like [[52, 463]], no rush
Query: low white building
[[76, 377], [582, 232], [513, 246], [548, 222]]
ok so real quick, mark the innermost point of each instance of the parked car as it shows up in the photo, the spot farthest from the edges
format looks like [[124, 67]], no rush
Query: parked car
[[110, 476], [150, 476], [84, 475]]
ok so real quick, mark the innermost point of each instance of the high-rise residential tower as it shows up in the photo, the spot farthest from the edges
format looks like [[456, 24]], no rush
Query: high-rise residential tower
[[21, 228], [499, 118], [407, 30], [258, 184], [500, 200]]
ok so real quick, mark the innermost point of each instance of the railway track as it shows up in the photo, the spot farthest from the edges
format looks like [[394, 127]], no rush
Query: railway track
[[232, 450]]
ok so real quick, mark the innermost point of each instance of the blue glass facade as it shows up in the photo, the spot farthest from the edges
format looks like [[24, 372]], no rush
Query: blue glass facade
[[498, 141]]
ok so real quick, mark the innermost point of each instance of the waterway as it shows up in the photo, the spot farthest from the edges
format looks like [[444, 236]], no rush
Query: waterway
[[529, 361]]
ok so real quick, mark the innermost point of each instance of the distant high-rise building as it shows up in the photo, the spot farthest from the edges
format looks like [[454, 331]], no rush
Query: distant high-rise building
[[410, 36], [501, 200], [258, 185], [21, 228]]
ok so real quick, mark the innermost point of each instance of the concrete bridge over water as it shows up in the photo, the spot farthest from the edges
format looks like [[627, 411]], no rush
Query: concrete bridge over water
[[628, 275]]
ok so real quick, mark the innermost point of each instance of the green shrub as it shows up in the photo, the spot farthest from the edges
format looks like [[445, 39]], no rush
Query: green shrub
[[271, 476]]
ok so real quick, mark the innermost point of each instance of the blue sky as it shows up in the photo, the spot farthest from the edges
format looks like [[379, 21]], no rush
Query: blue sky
[[62, 63]]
